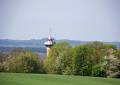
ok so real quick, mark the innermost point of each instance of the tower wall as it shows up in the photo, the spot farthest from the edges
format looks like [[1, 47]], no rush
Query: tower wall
[[48, 50]]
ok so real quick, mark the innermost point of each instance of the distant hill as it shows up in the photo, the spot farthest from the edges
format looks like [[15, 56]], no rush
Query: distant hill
[[37, 45]]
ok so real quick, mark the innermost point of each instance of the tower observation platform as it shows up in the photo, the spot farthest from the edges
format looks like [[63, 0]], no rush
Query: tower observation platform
[[49, 43]]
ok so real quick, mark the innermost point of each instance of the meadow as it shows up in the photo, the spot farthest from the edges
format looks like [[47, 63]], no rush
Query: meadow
[[52, 79]]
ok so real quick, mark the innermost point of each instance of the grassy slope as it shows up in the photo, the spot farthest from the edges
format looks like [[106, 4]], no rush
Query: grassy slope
[[46, 79]]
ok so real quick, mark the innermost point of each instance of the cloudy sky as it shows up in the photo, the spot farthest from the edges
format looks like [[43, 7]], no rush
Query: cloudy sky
[[68, 19]]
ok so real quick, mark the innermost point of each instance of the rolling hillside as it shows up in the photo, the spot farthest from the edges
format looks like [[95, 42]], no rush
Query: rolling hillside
[[35, 45], [40, 42]]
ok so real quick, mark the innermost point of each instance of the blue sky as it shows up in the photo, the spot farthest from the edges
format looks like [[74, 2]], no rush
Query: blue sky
[[87, 20]]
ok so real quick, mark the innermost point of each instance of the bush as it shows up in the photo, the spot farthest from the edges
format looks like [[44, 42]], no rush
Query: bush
[[98, 71], [1, 68], [24, 62], [115, 75]]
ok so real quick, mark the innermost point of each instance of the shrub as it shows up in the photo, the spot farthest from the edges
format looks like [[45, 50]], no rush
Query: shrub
[[98, 71], [24, 62], [115, 75]]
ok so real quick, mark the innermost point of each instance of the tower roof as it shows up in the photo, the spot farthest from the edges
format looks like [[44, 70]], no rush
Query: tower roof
[[50, 38], [50, 41]]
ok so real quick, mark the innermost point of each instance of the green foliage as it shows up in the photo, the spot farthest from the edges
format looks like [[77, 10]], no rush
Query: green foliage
[[84, 60], [115, 75], [24, 62], [82, 64], [88, 59], [114, 64], [1, 67], [2, 60], [60, 59], [92, 59], [117, 53], [98, 71], [98, 51], [110, 46]]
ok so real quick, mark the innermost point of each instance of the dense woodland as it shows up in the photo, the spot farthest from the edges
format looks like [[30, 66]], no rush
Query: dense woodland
[[93, 59]]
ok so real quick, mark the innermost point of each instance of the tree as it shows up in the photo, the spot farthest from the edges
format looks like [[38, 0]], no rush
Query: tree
[[23, 62], [60, 59], [82, 64], [98, 51], [3, 58], [114, 64], [89, 59]]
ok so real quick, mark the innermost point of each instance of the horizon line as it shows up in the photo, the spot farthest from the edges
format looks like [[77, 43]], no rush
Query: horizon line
[[57, 39]]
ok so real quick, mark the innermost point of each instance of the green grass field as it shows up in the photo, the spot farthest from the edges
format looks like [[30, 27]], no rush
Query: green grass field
[[49, 79]]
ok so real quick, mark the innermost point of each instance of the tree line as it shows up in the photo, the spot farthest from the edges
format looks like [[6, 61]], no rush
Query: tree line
[[92, 59]]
